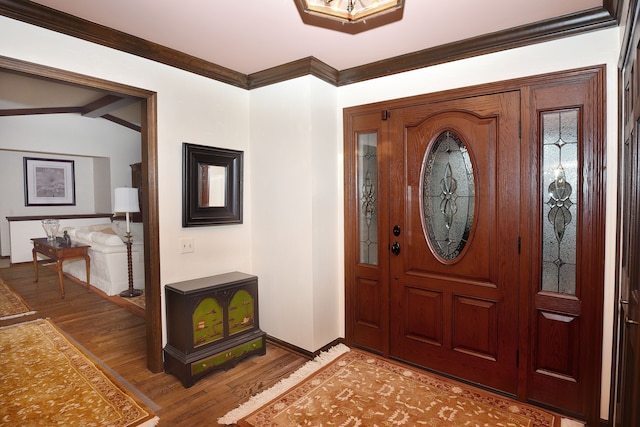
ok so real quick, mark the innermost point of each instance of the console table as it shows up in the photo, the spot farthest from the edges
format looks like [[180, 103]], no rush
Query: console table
[[59, 251]]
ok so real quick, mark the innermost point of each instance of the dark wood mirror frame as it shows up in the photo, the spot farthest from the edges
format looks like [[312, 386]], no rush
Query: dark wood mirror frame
[[197, 158]]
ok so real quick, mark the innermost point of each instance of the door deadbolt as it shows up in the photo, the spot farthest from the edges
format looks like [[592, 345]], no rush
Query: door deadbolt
[[395, 248], [396, 230]]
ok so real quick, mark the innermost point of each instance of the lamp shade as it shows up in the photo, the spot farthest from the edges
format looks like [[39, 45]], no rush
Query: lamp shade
[[126, 200]]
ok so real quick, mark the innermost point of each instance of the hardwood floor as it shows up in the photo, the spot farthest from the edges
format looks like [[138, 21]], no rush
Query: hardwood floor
[[115, 336]]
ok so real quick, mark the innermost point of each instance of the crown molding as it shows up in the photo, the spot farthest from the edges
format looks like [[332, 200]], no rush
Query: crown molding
[[302, 67], [52, 19], [569, 25]]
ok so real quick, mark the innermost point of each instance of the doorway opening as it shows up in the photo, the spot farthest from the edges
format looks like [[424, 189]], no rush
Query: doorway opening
[[149, 150]]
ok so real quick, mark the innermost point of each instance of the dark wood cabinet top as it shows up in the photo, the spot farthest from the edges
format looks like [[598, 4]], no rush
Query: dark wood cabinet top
[[201, 283]]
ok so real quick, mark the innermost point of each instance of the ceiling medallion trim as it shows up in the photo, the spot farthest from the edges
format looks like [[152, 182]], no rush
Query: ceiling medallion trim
[[350, 16]]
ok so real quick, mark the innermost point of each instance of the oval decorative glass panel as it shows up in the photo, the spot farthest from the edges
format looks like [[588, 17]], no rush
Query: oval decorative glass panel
[[448, 196]]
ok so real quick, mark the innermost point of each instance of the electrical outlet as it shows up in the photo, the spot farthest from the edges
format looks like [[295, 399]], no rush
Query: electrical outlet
[[186, 245]]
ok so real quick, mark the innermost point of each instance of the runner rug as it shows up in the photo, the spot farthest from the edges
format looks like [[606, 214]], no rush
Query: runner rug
[[360, 389], [47, 380], [11, 305]]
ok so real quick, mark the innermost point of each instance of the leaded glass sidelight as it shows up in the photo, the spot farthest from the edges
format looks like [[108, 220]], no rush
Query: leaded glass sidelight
[[559, 204], [448, 196], [368, 198]]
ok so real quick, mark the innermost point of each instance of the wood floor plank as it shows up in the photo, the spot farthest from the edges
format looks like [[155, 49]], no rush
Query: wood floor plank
[[116, 336]]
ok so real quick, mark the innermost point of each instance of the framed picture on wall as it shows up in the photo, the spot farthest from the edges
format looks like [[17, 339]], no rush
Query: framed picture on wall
[[49, 182]]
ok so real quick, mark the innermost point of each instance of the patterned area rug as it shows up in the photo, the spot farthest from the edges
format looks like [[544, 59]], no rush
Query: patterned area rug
[[139, 301], [11, 305], [46, 380], [360, 389]]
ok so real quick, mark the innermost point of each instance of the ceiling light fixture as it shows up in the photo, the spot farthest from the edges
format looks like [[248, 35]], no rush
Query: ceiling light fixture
[[350, 16]]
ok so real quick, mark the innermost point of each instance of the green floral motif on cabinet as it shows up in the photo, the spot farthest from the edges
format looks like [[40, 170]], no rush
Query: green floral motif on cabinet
[[207, 322], [241, 315]]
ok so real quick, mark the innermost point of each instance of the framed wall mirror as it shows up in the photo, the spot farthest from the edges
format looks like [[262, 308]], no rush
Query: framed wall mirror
[[211, 185]]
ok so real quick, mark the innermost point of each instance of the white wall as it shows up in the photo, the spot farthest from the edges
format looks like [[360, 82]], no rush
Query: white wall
[[102, 168], [292, 236], [327, 215], [295, 175]]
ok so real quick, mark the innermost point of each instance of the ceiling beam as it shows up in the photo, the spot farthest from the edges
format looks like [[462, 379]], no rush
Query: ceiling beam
[[122, 122], [105, 105], [99, 108], [32, 111]]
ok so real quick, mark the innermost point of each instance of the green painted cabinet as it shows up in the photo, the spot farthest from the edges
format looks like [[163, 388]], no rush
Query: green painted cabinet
[[212, 324]]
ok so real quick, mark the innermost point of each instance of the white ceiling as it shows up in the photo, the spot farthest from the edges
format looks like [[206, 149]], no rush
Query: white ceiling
[[254, 35]]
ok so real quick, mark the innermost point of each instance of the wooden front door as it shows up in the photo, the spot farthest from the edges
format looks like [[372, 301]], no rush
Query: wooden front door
[[474, 235], [454, 262], [628, 376]]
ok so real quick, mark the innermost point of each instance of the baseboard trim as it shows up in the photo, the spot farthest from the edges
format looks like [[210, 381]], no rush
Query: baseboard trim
[[301, 351], [604, 423]]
